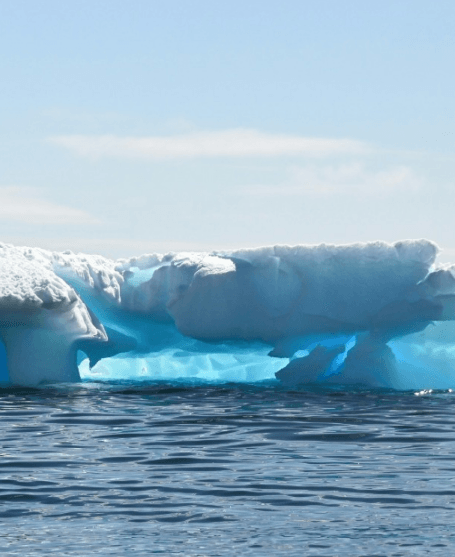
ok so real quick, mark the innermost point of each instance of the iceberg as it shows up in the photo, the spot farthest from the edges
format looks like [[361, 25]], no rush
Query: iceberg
[[374, 314]]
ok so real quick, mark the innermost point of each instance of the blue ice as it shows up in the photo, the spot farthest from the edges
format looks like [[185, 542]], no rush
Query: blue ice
[[377, 315]]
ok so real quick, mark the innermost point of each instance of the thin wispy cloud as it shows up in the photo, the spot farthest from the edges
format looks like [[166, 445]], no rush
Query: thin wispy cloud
[[226, 143], [28, 206], [83, 117], [342, 179]]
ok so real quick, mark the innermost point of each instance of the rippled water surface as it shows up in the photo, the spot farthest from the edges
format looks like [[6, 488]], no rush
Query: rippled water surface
[[103, 469]]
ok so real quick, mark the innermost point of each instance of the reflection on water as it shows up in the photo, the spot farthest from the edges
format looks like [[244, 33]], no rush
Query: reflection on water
[[179, 469]]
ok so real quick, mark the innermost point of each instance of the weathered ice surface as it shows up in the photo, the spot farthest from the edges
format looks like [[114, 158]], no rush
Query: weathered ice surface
[[373, 314]]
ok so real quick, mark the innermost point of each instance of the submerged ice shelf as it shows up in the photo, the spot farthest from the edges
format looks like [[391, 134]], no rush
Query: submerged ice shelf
[[371, 314]]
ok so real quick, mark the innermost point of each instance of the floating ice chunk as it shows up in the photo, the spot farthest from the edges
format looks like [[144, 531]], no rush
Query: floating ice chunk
[[348, 314]]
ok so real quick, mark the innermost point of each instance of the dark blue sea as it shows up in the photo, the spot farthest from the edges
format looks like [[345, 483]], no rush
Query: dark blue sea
[[206, 470]]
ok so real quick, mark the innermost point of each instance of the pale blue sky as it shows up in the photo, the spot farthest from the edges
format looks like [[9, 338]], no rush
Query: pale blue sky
[[139, 126]]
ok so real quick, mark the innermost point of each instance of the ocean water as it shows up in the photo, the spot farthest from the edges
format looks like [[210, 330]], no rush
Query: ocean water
[[229, 469]]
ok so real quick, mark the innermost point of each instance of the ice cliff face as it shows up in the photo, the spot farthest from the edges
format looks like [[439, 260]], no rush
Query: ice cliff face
[[349, 314]]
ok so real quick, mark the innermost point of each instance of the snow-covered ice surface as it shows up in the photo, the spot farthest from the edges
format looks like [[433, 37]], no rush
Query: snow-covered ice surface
[[364, 314]]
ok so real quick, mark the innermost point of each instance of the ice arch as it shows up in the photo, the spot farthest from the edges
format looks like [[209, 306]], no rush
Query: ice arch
[[240, 315]]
